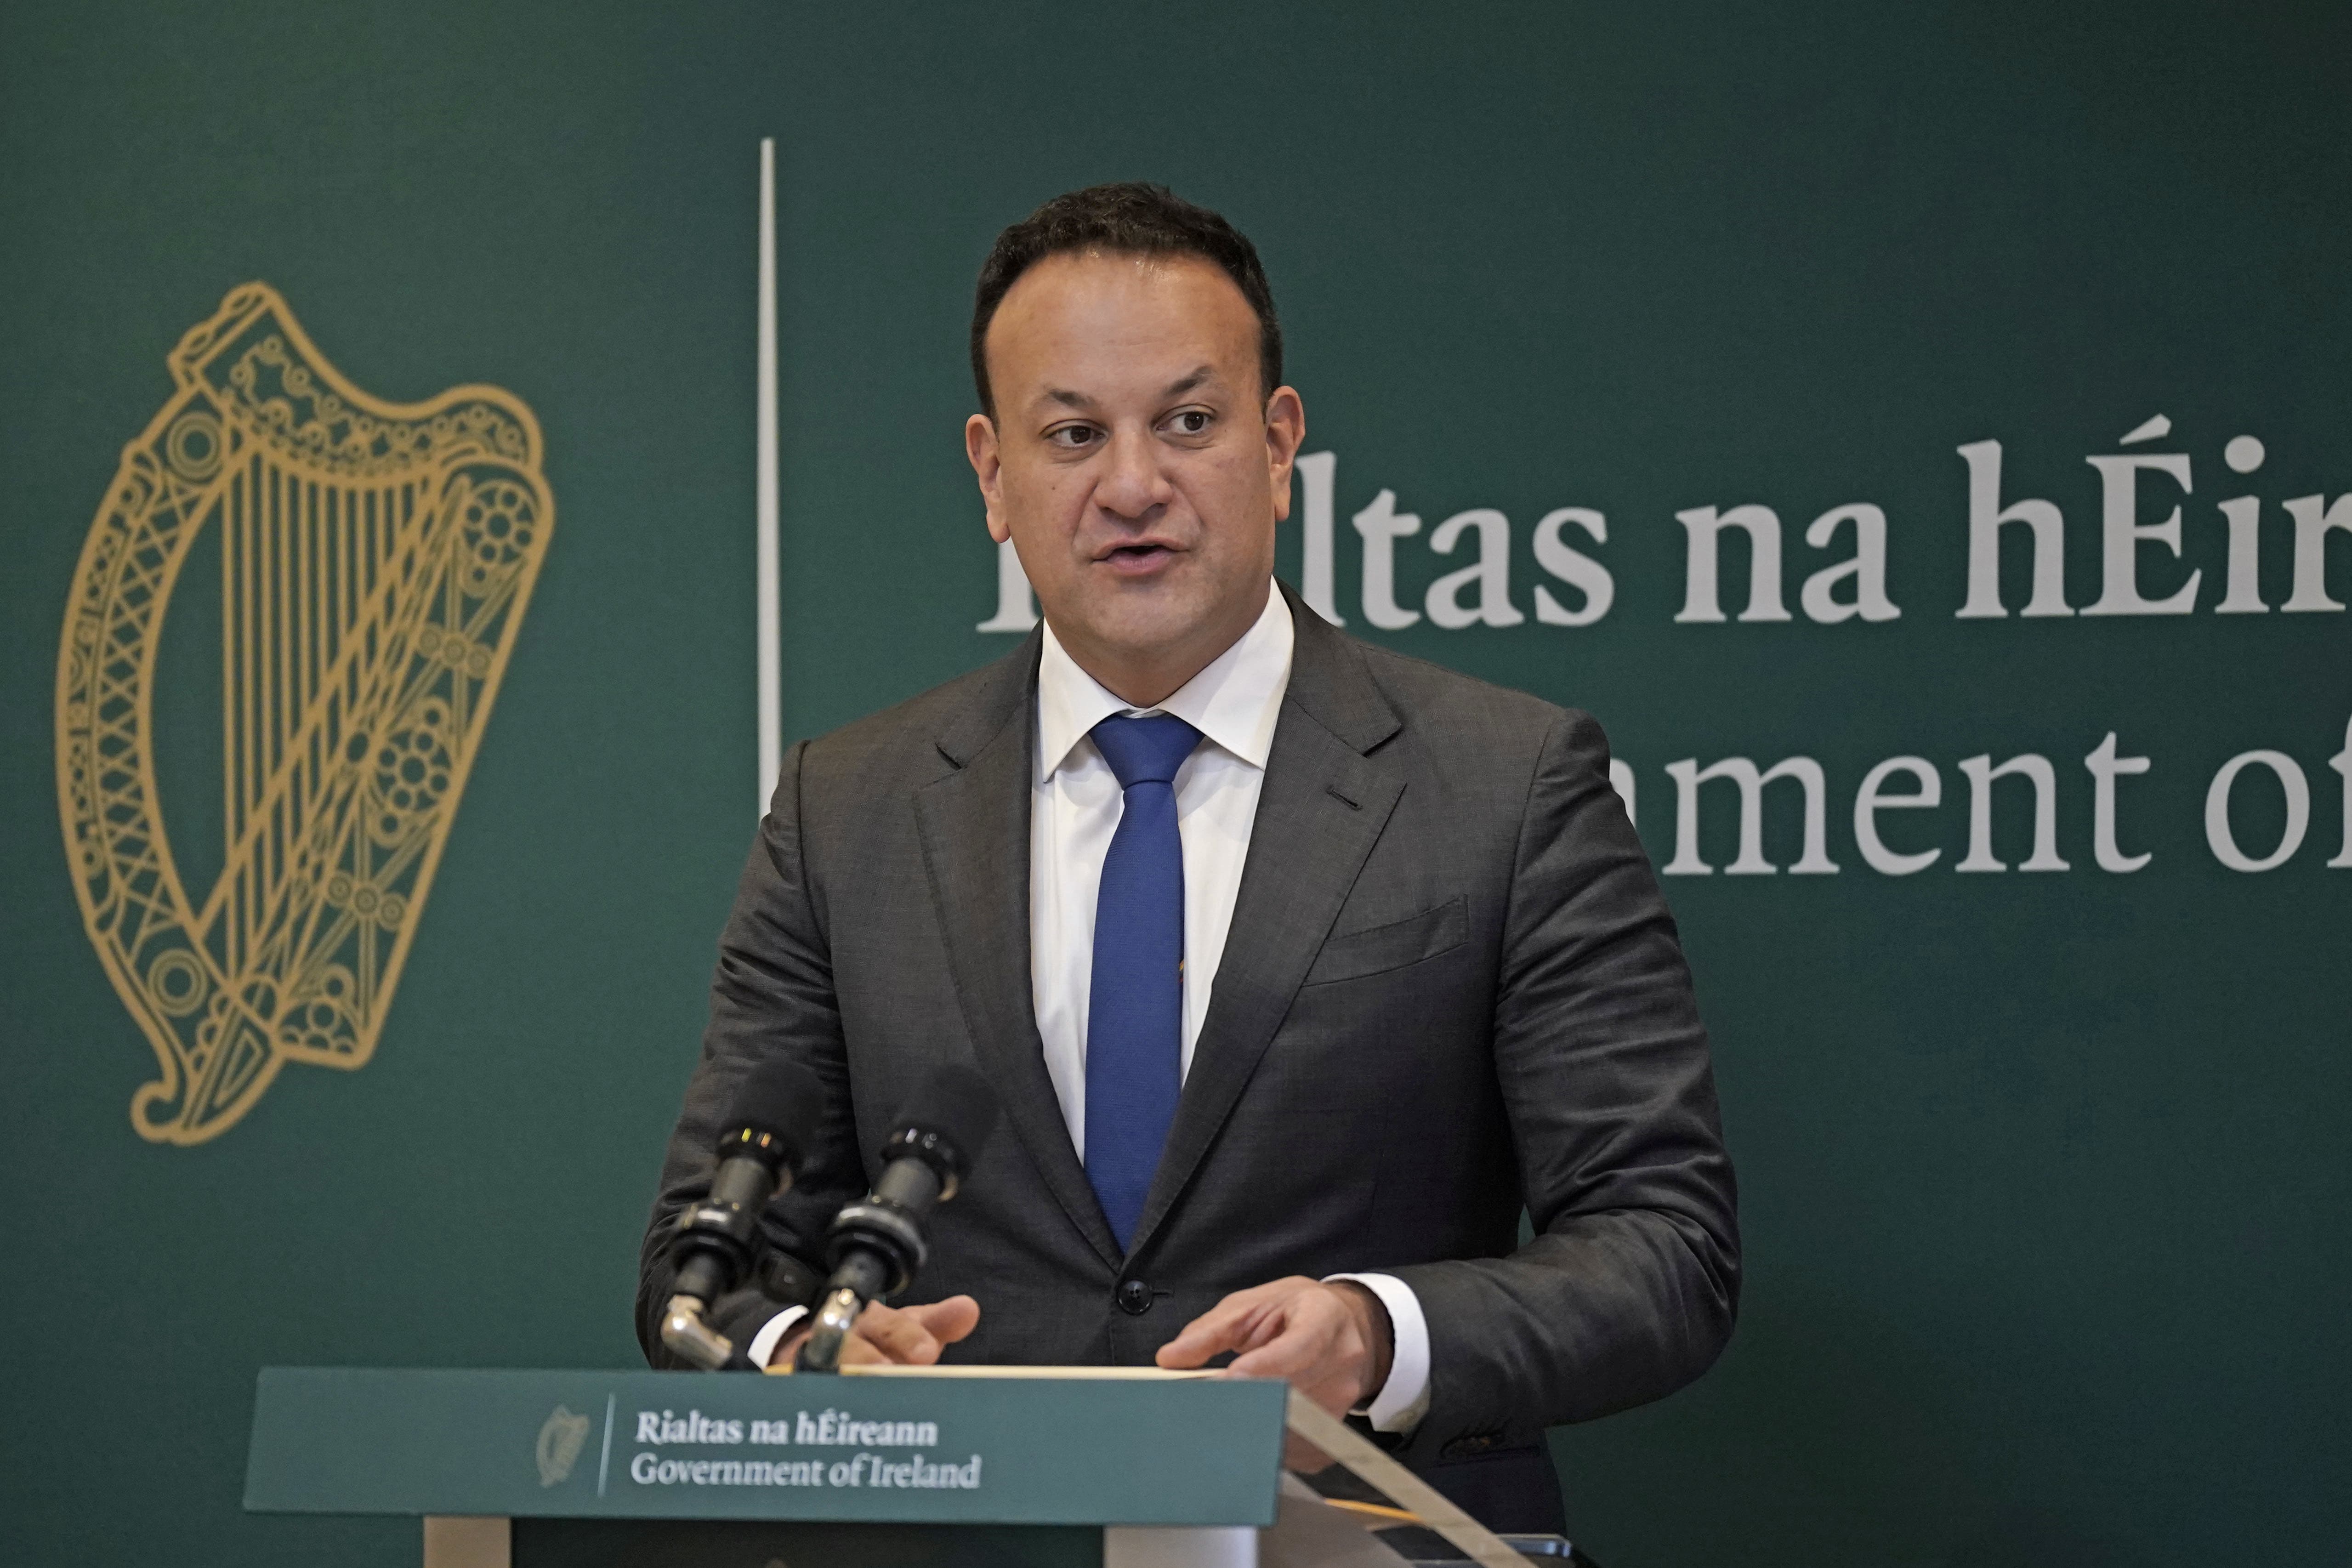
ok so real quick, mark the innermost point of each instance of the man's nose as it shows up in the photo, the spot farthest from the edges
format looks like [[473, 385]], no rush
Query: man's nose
[[1132, 485]]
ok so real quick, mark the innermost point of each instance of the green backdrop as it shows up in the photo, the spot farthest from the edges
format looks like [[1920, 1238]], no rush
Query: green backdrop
[[2043, 1173]]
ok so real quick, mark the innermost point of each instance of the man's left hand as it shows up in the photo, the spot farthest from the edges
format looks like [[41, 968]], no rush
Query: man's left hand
[[1333, 1342]]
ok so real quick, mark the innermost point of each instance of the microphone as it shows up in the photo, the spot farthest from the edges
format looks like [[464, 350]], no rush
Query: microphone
[[875, 1247], [769, 1127]]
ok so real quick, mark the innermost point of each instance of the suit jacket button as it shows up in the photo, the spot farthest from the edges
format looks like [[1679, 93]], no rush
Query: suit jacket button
[[1134, 1297]]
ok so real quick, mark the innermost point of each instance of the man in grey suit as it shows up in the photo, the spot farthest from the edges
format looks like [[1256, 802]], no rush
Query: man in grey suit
[[1379, 961]]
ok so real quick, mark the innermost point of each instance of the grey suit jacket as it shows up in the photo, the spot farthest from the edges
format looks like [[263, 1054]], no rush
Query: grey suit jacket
[[1451, 989]]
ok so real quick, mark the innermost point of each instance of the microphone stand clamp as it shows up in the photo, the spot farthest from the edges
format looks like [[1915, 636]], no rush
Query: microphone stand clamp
[[684, 1330]]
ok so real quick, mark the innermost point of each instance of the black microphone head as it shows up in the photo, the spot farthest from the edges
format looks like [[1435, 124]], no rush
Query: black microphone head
[[773, 1114], [945, 1124]]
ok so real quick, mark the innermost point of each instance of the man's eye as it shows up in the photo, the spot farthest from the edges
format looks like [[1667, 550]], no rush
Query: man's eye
[[1073, 435], [1192, 421]]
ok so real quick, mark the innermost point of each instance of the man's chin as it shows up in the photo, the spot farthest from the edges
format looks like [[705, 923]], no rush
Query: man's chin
[[1148, 626]]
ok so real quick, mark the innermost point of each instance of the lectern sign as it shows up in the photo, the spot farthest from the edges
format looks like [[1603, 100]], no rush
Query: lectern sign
[[688, 1446]]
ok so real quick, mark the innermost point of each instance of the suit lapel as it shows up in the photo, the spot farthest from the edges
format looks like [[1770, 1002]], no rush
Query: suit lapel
[[975, 830], [1321, 808]]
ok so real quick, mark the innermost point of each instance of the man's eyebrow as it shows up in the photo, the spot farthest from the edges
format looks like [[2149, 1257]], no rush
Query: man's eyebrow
[[1177, 389]]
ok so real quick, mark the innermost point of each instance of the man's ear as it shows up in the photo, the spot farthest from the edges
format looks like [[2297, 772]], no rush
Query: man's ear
[[988, 467], [1286, 431]]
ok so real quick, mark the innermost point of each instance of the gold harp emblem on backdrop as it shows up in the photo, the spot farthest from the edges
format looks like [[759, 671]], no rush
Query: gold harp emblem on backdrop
[[376, 559]]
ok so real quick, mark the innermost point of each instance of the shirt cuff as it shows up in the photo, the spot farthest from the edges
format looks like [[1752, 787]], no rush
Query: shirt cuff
[[763, 1344], [1403, 1400]]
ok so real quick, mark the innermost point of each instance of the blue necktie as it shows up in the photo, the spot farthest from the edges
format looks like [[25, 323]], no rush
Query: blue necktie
[[1135, 1012]]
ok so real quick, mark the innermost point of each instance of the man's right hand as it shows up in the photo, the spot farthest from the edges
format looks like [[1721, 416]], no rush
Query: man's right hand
[[908, 1336]]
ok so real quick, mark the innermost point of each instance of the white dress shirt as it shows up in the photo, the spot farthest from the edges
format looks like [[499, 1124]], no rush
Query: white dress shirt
[[1074, 808]]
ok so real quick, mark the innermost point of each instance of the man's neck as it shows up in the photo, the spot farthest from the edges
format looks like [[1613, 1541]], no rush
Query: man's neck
[[1146, 679]]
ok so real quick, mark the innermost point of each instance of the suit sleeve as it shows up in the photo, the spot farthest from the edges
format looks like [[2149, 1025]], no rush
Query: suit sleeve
[[1628, 1288], [771, 994]]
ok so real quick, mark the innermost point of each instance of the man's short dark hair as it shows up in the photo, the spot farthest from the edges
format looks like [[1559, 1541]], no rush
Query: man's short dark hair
[[1130, 218]]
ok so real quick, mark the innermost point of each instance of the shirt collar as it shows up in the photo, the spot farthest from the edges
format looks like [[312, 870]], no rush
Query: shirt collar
[[1233, 700]]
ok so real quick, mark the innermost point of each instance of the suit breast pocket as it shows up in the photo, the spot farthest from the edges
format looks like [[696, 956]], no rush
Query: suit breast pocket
[[1354, 954]]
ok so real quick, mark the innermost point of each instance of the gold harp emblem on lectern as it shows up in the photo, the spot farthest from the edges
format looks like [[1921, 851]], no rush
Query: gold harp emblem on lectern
[[376, 560]]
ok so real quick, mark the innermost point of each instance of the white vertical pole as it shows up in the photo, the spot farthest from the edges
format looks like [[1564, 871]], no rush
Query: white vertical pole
[[770, 643]]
